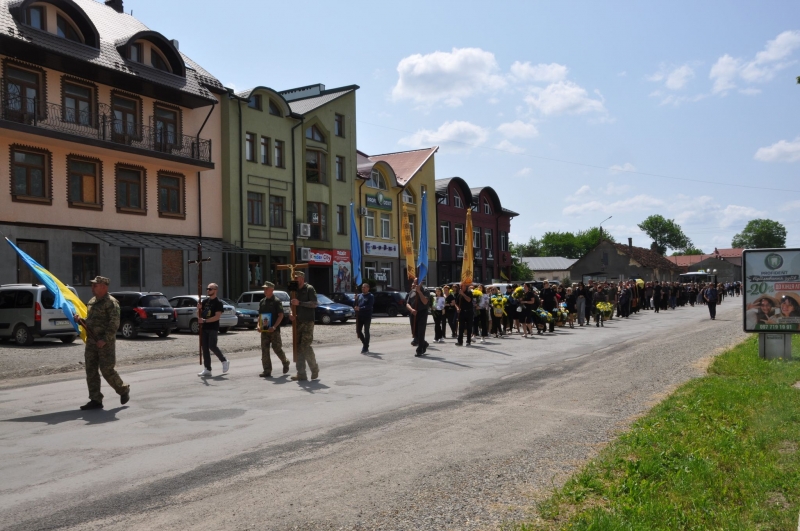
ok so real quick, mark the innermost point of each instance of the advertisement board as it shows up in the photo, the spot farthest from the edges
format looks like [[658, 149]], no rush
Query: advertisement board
[[387, 250], [771, 290], [378, 201], [342, 272]]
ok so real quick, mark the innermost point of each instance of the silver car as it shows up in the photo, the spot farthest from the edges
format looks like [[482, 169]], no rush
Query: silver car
[[251, 300], [26, 312], [186, 308]]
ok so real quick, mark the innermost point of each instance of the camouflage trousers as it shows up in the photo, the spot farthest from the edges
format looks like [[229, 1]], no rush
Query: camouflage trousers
[[273, 339], [101, 361], [305, 354]]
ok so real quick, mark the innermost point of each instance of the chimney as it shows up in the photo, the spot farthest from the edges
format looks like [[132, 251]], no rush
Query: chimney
[[116, 5], [630, 244], [176, 44]]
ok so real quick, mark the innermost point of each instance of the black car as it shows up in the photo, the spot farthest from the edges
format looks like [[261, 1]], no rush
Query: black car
[[344, 298], [328, 311], [390, 303], [148, 312]]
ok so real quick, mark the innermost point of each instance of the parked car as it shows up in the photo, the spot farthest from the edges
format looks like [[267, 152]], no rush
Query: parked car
[[328, 311], [390, 303], [251, 299], [143, 311], [26, 312], [348, 299], [246, 318], [186, 311]]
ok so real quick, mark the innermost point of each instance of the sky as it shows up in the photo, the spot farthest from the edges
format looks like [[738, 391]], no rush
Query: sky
[[571, 111]]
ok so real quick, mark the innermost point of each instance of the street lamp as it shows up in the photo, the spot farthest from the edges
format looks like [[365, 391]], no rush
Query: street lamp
[[715, 277], [601, 226]]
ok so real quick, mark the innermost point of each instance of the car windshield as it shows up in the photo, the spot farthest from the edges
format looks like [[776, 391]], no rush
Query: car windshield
[[153, 301], [322, 299], [281, 295], [227, 301], [402, 294]]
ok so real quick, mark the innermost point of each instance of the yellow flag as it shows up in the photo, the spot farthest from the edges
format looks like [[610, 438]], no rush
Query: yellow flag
[[408, 245], [466, 265]]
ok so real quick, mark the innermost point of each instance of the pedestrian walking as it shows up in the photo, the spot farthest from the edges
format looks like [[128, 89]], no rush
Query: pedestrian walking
[[365, 302], [548, 296], [417, 304], [304, 303], [438, 317], [580, 303], [465, 315], [209, 312], [270, 317], [451, 310], [598, 297], [710, 297], [101, 324]]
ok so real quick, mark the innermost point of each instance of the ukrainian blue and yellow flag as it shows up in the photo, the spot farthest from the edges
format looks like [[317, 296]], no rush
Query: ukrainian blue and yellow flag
[[69, 303]]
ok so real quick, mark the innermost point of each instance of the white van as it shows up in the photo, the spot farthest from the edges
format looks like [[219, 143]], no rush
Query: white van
[[26, 312], [251, 299]]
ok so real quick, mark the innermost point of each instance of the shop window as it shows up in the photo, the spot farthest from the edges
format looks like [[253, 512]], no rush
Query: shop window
[[84, 263], [130, 262]]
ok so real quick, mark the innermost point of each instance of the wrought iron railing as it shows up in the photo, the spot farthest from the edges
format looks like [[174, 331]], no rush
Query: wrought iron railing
[[101, 124]]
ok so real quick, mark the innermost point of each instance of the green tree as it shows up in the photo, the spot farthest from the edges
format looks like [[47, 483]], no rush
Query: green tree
[[519, 269], [687, 252], [761, 234], [571, 245], [665, 233], [532, 248]]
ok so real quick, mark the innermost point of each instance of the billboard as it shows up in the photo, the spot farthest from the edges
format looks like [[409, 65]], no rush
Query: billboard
[[342, 272], [388, 250], [771, 290]]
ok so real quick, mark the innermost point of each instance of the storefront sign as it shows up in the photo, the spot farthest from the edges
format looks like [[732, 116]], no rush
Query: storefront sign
[[378, 201], [342, 271], [389, 250], [323, 257], [771, 290]]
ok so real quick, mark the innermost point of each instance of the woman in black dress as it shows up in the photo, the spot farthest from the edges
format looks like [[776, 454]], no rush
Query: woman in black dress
[[572, 302]]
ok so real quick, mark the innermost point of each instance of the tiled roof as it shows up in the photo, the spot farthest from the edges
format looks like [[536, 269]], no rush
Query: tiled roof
[[306, 105], [548, 263], [113, 28], [645, 257], [406, 163], [684, 261]]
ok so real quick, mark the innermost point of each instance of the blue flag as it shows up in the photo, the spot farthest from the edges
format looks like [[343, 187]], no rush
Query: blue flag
[[422, 262], [355, 248]]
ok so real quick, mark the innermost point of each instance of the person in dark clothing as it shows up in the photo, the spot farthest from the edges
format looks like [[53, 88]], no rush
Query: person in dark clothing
[[511, 310], [209, 312], [465, 315], [598, 297], [451, 310], [710, 297], [622, 304], [657, 296], [364, 304], [548, 296], [572, 302], [418, 306]]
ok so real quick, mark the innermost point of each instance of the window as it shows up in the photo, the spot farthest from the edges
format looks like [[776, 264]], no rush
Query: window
[[166, 128], [30, 174], [318, 219], [423, 190], [376, 180], [408, 197], [338, 125], [254, 102], [126, 116], [444, 228], [265, 150], [130, 189], [157, 61], [84, 181], [77, 104], [313, 133], [36, 250], [369, 224], [442, 200], [476, 238], [412, 222], [279, 162], [276, 210], [316, 166], [172, 265], [170, 194], [130, 261], [22, 97], [504, 241], [369, 269], [386, 268], [250, 147], [36, 17], [474, 207], [84, 263], [457, 200], [487, 236], [459, 236], [340, 169], [66, 30], [255, 208], [135, 52], [341, 219], [274, 109], [486, 208], [386, 226]]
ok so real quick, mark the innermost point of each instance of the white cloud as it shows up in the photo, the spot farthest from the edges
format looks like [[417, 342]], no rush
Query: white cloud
[[762, 68], [674, 78], [616, 168], [640, 202], [614, 189], [447, 76], [518, 129], [790, 206], [733, 213], [505, 145], [540, 73], [523, 172], [563, 97], [585, 189], [464, 133], [782, 151]]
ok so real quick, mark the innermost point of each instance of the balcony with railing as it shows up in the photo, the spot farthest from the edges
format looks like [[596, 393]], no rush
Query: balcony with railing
[[102, 126]]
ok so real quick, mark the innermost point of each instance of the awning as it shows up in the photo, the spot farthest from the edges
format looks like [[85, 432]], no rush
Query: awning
[[162, 241]]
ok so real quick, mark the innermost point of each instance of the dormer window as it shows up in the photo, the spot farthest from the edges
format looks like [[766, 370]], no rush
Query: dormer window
[[486, 208], [254, 102], [376, 180], [408, 197], [273, 109], [66, 30], [135, 52], [158, 62], [36, 18], [313, 133], [457, 200]]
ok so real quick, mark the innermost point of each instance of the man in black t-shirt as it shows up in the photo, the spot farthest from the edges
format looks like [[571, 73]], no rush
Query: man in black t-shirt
[[417, 304], [465, 315], [549, 301], [450, 311], [209, 312]]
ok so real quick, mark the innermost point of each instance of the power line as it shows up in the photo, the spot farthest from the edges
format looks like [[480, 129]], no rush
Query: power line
[[595, 166]]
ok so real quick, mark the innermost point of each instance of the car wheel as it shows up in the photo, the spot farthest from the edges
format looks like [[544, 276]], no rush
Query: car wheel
[[163, 333], [392, 311], [23, 335], [251, 327], [224, 330], [129, 330], [194, 326], [325, 319], [68, 339]]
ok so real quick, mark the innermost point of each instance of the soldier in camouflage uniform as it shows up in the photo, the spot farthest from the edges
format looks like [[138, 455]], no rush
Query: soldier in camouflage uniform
[[270, 315], [102, 322], [305, 302]]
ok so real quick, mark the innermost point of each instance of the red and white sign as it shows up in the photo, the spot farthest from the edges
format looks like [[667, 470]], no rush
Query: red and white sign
[[326, 257]]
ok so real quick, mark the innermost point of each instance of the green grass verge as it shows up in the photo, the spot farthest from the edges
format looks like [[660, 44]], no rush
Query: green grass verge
[[723, 452]]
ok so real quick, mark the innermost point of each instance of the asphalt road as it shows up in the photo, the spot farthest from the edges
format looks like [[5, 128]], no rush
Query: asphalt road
[[465, 438]]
